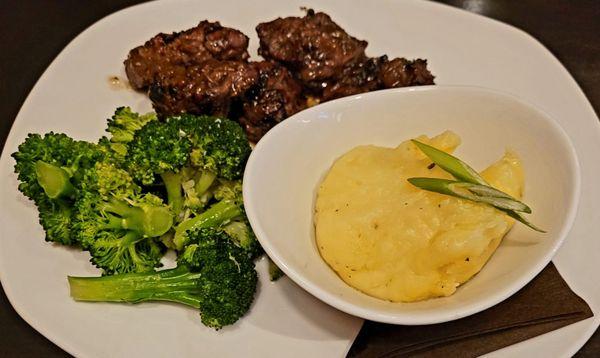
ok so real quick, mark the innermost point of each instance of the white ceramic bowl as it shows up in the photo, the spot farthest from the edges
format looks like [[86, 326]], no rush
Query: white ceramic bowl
[[287, 165]]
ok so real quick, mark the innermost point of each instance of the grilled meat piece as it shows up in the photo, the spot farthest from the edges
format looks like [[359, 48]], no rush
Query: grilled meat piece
[[276, 96], [313, 47], [166, 53], [211, 87], [329, 62], [205, 70], [401, 72], [358, 78], [377, 73]]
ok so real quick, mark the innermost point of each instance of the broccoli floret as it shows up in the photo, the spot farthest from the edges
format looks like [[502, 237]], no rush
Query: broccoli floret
[[160, 149], [157, 148], [229, 279], [188, 153], [242, 235], [122, 126], [55, 216], [113, 152], [220, 145], [213, 275], [227, 214], [228, 190], [118, 224], [52, 154], [124, 123], [49, 169], [218, 214]]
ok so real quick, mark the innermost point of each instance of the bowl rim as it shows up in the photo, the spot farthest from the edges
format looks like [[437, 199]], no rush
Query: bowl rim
[[420, 318]]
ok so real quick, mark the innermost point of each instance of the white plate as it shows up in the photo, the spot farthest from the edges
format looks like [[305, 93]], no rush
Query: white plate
[[73, 96]]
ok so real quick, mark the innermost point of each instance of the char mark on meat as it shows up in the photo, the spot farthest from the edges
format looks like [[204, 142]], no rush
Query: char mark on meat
[[360, 77], [211, 87], [164, 53], [378, 73], [401, 72], [276, 96]]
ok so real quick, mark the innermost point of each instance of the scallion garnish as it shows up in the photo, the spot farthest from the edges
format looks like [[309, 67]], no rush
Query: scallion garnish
[[470, 185]]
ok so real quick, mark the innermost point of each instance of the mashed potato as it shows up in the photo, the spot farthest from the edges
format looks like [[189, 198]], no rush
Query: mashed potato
[[396, 242]]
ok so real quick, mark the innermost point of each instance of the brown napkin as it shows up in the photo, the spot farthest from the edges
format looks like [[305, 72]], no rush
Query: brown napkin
[[545, 304]]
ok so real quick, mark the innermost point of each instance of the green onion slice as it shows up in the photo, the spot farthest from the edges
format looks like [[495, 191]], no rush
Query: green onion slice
[[459, 169], [470, 185], [464, 190]]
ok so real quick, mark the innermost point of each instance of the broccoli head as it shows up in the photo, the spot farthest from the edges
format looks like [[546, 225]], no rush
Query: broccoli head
[[49, 169], [220, 145], [52, 160], [213, 275], [118, 224], [157, 148], [188, 153], [228, 190], [124, 123], [228, 281], [56, 217]]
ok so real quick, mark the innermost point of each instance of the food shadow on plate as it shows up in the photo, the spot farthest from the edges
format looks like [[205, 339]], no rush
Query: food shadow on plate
[[311, 318], [514, 241]]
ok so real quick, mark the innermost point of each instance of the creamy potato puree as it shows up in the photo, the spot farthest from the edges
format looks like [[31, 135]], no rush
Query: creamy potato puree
[[397, 242]]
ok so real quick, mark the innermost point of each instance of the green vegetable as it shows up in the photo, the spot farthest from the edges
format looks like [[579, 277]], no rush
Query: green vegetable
[[56, 217], [459, 169], [473, 192], [107, 197], [242, 235], [124, 123], [191, 155], [49, 169], [55, 181], [517, 216], [117, 223], [213, 275], [470, 185], [275, 272], [218, 214]]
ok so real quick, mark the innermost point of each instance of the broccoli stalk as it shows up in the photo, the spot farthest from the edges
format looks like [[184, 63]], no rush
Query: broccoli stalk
[[275, 272], [197, 193], [55, 181], [173, 285], [206, 180], [175, 197], [218, 214], [148, 221]]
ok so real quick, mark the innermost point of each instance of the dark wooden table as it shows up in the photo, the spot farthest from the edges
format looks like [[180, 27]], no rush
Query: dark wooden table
[[32, 33]]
